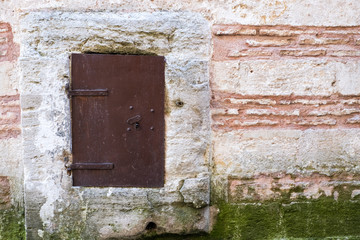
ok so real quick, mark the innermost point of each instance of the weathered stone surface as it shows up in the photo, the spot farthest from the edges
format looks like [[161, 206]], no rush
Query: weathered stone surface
[[347, 75], [267, 12], [245, 153], [289, 187], [58, 211], [183, 38], [9, 78], [196, 191], [286, 77]]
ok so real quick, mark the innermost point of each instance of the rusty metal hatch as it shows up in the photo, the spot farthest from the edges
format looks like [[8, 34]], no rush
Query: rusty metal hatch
[[118, 122]]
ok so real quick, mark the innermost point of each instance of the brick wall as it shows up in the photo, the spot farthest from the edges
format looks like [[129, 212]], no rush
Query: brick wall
[[275, 42], [285, 100], [10, 130], [9, 103], [9, 116], [285, 95], [8, 49], [286, 125], [287, 106]]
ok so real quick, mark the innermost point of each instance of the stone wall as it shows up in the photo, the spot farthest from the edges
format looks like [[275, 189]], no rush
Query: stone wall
[[11, 167], [270, 118], [285, 110], [55, 209]]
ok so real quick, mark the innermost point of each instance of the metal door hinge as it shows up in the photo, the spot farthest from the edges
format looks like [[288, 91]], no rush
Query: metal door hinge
[[91, 166], [88, 166], [86, 92]]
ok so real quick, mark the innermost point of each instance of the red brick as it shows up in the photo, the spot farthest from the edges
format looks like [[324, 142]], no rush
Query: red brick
[[268, 42], [345, 53], [323, 41], [3, 40], [299, 112], [249, 53], [303, 53], [353, 120], [264, 112], [317, 122], [9, 116], [280, 32], [257, 122], [233, 30], [9, 51]]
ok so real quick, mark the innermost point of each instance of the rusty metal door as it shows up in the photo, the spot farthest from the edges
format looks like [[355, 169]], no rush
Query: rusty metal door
[[117, 120]]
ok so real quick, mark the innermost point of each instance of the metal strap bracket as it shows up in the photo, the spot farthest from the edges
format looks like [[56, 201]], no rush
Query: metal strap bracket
[[86, 92], [91, 166]]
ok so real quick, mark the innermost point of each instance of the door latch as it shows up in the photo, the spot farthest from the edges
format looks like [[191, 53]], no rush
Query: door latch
[[135, 121]]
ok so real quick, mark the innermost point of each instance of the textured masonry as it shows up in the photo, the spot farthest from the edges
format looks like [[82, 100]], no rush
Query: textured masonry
[[266, 42], [285, 117], [9, 51], [9, 103], [11, 170], [9, 116], [294, 187], [56, 209], [266, 94], [236, 111], [285, 111]]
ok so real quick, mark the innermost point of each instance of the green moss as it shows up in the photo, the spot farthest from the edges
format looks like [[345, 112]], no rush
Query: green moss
[[311, 219], [247, 221], [12, 224], [178, 237], [320, 219]]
